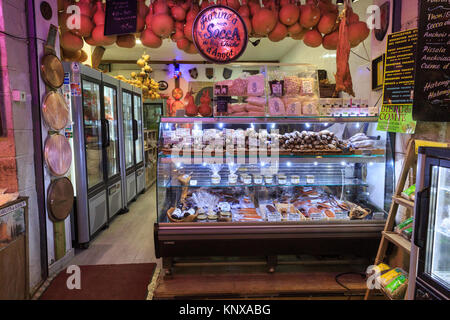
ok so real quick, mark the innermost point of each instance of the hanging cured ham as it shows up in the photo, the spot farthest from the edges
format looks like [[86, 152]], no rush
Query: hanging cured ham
[[343, 76]]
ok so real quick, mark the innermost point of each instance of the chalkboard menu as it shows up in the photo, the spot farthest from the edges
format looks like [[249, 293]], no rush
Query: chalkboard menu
[[399, 67], [432, 90], [120, 17]]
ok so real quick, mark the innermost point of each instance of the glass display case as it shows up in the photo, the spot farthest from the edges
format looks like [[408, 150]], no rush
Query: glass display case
[[437, 263], [432, 225], [93, 132], [265, 186], [281, 90], [127, 105]]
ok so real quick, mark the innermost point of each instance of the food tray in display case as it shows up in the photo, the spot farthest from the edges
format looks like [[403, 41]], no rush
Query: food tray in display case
[[265, 188]]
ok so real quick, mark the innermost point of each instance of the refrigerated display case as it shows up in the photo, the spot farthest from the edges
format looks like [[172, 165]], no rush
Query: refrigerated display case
[[139, 161], [129, 134], [268, 192], [110, 88], [430, 255], [153, 110], [91, 154]]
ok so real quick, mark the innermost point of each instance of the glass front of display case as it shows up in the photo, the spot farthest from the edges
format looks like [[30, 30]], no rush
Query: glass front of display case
[[437, 264], [228, 172]]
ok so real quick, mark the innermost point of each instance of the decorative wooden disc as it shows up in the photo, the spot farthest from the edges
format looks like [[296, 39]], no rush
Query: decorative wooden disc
[[57, 154], [55, 111], [52, 71], [60, 198]]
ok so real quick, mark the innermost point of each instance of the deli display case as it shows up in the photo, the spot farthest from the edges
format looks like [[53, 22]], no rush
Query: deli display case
[[275, 170], [256, 187]]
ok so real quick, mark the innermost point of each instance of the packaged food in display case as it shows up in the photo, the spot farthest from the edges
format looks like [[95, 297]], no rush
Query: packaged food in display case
[[264, 184], [244, 96], [293, 90]]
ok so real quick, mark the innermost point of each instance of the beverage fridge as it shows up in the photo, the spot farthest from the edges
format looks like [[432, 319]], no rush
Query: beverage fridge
[[97, 161], [430, 254], [110, 87], [138, 115], [133, 141]]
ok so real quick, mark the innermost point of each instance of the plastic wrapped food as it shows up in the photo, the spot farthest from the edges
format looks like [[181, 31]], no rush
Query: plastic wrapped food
[[238, 87], [256, 85], [364, 144], [310, 107], [308, 86], [252, 108], [293, 106], [257, 101], [237, 107], [396, 288], [292, 85], [407, 233], [408, 223], [387, 277], [276, 107]]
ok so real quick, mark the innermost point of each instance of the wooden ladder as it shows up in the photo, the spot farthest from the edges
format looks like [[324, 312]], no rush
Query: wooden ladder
[[388, 235]]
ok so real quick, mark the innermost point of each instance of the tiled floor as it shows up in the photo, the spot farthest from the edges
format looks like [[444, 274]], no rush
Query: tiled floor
[[129, 238]]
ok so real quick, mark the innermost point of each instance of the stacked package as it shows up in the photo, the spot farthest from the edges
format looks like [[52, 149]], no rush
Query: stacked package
[[292, 95]]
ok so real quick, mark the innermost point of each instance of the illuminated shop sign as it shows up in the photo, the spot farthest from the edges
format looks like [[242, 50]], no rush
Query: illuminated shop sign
[[220, 34]]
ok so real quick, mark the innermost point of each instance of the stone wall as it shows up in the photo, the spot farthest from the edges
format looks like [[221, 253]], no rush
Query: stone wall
[[16, 76]]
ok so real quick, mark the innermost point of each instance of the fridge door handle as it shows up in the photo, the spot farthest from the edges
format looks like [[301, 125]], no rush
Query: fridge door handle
[[421, 216], [108, 134], [135, 130], [103, 131]]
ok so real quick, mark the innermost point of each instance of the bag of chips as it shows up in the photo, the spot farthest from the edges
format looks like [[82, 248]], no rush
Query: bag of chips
[[396, 288]]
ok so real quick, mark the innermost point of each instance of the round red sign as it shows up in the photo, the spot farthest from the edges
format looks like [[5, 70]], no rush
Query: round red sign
[[220, 34]]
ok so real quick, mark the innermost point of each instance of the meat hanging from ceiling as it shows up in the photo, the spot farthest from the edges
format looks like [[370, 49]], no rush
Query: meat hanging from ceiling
[[343, 77]]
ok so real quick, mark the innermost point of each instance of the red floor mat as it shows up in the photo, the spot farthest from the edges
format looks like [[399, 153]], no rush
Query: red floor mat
[[104, 282]]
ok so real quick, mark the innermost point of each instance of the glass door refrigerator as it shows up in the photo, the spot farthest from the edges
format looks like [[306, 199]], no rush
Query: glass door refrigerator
[[430, 256], [128, 142], [90, 156], [139, 139], [111, 120]]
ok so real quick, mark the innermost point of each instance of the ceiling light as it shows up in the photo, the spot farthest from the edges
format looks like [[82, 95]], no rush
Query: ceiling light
[[138, 41]]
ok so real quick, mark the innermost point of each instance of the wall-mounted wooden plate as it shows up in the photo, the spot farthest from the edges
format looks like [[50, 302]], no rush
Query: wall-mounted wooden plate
[[57, 154]]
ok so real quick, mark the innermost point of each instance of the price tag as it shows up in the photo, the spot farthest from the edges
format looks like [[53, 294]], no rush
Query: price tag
[[378, 216], [341, 216], [317, 216], [294, 217], [273, 217]]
